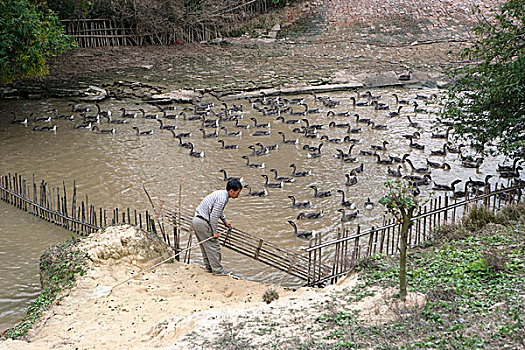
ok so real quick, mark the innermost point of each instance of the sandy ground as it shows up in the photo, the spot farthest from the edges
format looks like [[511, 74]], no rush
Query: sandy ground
[[175, 306]]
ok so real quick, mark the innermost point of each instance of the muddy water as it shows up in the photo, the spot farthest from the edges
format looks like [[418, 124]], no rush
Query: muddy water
[[111, 169]]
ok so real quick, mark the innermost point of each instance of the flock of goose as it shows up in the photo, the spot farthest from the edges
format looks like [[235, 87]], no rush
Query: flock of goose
[[324, 125]]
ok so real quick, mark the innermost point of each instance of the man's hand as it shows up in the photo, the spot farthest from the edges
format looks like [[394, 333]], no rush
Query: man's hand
[[216, 235], [228, 225]]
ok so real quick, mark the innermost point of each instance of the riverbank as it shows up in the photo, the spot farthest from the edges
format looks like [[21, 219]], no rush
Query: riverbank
[[476, 301]]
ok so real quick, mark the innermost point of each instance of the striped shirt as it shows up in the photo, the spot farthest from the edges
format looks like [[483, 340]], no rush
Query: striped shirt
[[211, 208]]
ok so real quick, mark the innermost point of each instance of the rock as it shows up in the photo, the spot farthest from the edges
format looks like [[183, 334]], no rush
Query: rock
[[178, 95]]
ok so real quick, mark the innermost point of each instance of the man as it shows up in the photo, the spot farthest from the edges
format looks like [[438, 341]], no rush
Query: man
[[206, 222]]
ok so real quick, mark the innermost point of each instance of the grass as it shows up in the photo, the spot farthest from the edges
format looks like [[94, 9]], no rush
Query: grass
[[473, 277], [59, 267]]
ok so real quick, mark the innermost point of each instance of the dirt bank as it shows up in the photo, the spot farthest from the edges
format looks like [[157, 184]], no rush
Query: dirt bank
[[162, 308]]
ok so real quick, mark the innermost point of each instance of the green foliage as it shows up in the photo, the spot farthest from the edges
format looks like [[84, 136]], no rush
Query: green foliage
[[59, 267], [29, 32], [486, 100], [400, 198], [270, 295], [71, 9]]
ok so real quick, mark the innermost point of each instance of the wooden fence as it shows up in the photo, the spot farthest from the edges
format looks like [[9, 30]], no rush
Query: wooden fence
[[349, 246], [102, 32], [83, 218]]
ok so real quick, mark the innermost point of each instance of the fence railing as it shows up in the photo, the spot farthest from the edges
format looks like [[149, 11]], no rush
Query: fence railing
[[349, 246], [106, 32]]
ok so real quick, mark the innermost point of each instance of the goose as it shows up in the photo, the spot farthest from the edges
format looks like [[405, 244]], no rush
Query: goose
[[398, 101], [183, 144], [288, 121], [282, 178], [480, 183], [41, 119], [510, 174], [351, 130], [194, 153], [377, 126], [258, 153], [357, 170], [241, 126], [331, 114], [340, 154], [185, 117], [127, 115], [358, 119], [472, 164], [289, 142], [344, 202], [299, 173], [165, 115], [416, 145], [369, 205], [182, 134], [103, 131], [18, 121], [441, 136], [358, 103], [350, 181], [310, 215], [418, 110], [226, 178], [396, 159], [383, 161], [338, 125], [81, 126], [404, 76], [311, 134], [446, 122], [68, 117], [95, 119], [210, 123], [333, 140], [312, 126], [366, 153], [296, 101], [261, 133], [262, 193], [269, 147], [257, 125], [353, 141], [439, 152], [299, 113], [142, 133], [444, 187], [437, 165], [418, 170], [395, 173], [415, 135], [311, 111], [223, 146], [393, 114], [378, 106], [45, 128], [253, 165], [322, 194], [295, 204], [313, 148], [414, 177], [231, 134], [380, 148], [347, 217], [411, 123], [101, 112], [148, 116], [116, 121], [302, 234], [210, 135], [506, 168], [166, 127], [345, 158], [78, 109], [422, 182], [459, 193]]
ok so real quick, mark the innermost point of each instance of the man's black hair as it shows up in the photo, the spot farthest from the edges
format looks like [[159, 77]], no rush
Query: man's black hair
[[233, 184]]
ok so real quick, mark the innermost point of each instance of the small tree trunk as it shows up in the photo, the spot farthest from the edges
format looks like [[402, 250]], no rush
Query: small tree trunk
[[405, 227]]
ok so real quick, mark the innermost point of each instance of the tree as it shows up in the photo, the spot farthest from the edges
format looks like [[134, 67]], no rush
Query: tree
[[486, 100], [401, 202], [29, 32]]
